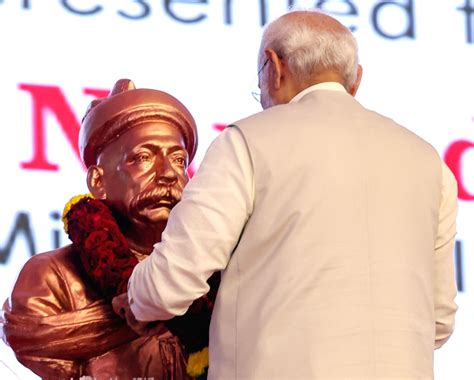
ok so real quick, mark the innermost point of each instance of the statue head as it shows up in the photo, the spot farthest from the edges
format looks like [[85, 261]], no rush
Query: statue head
[[137, 145]]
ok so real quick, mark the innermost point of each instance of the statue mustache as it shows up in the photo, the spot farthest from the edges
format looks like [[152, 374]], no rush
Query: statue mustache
[[153, 196]]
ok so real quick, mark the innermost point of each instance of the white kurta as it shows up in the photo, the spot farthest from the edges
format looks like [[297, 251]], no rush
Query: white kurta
[[334, 228]]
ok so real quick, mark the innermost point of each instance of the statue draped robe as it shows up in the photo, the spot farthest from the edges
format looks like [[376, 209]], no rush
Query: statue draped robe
[[60, 327]]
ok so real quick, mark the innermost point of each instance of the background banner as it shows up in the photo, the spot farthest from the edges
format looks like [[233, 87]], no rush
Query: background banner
[[58, 55]]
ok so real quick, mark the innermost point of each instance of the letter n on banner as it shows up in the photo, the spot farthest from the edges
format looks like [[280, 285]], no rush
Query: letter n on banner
[[51, 98]]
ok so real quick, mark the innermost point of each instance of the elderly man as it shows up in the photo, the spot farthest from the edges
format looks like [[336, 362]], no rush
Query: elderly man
[[333, 226], [136, 144]]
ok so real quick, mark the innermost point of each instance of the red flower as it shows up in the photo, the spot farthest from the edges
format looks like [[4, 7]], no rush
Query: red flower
[[95, 239], [103, 248]]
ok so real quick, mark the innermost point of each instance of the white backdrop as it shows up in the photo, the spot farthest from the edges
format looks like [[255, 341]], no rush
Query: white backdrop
[[418, 57]]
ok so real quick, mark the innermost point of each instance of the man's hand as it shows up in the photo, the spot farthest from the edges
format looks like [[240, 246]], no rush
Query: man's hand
[[122, 309], [120, 305]]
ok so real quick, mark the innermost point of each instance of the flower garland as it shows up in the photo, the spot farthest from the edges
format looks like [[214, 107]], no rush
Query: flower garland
[[106, 257], [102, 247]]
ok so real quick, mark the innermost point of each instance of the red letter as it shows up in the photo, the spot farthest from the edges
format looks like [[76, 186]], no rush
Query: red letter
[[96, 92], [453, 158], [191, 170], [51, 98], [193, 167], [219, 127]]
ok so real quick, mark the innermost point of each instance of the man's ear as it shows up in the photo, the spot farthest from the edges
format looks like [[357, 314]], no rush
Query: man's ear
[[276, 68], [95, 182], [353, 89]]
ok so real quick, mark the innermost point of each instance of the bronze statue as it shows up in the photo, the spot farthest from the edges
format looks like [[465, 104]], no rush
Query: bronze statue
[[136, 145]]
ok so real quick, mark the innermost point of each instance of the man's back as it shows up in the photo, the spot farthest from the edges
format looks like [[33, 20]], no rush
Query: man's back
[[334, 275], [333, 226]]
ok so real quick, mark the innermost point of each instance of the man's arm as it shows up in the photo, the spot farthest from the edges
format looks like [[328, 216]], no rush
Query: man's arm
[[445, 285], [202, 231]]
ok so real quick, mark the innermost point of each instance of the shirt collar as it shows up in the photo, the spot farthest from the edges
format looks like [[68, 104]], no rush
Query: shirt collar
[[332, 86]]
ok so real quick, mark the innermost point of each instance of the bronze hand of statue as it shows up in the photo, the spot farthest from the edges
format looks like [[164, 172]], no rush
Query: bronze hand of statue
[[122, 309]]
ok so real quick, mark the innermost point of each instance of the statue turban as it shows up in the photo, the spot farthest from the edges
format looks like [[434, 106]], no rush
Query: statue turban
[[126, 107]]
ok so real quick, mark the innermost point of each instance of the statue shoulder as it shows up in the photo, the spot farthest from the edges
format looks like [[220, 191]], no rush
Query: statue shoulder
[[48, 261], [43, 285]]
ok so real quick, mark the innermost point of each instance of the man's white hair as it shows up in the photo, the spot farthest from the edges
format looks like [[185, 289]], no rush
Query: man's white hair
[[312, 42]]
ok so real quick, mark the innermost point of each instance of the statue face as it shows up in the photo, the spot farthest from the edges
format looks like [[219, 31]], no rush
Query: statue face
[[144, 172]]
